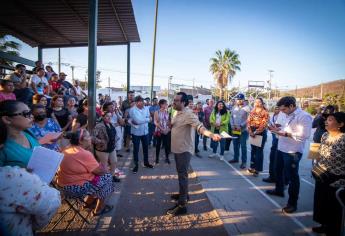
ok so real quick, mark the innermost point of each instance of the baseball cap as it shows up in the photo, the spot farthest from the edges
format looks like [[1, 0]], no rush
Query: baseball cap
[[240, 96]]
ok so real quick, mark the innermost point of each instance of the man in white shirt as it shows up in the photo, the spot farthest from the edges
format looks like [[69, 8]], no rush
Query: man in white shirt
[[292, 138]]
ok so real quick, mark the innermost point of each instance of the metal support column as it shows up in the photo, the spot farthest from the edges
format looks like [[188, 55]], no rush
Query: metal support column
[[92, 62], [128, 67], [59, 60], [154, 51], [39, 54]]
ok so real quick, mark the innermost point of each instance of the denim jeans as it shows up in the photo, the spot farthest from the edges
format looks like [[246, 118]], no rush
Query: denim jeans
[[257, 154], [152, 139], [196, 147], [287, 170], [273, 157], [214, 146], [136, 144], [241, 141]]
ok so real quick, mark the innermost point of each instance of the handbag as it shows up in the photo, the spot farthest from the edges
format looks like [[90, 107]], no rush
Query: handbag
[[320, 174], [157, 133]]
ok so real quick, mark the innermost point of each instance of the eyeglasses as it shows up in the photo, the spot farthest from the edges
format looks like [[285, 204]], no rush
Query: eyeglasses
[[26, 114]]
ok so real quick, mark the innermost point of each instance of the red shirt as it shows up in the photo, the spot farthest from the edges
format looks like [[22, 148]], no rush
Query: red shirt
[[55, 85]]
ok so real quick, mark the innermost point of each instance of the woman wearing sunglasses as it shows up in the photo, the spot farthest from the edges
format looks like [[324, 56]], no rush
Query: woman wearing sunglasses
[[16, 142]]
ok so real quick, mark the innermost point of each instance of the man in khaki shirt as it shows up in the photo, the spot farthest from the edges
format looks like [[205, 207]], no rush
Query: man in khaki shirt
[[183, 127]]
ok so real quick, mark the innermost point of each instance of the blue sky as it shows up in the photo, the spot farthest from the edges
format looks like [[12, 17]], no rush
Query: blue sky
[[301, 40]]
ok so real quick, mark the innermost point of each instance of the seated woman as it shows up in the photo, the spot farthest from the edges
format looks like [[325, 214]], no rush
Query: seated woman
[[26, 203], [6, 89], [81, 176], [18, 145], [43, 125], [80, 121], [40, 99], [16, 141]]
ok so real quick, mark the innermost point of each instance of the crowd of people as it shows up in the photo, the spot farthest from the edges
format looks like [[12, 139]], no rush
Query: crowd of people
[[33, 108]]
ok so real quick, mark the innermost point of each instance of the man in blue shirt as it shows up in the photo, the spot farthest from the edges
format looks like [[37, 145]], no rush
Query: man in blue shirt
[[139, 119]]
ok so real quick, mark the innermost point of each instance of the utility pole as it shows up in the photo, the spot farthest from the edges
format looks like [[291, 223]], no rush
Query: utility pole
[[270, 83], [193, 86], [321, 91], [296, 92], [72, 67], [59, 60], [109, 85], [169, 87], [154, 50]]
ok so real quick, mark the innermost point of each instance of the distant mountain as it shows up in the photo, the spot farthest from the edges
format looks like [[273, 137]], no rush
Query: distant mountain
[[318, 91]]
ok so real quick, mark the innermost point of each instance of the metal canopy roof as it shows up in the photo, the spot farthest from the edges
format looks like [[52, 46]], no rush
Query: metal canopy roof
[[64, 23]]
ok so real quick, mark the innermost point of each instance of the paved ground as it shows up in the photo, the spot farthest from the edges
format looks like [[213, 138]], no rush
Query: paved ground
[[242, 204], [224, 201], [140, 206]]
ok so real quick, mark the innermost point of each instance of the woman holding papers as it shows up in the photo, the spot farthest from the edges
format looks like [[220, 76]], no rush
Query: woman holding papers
[[80, 175], [17, 142], [18, 145], [256, 125], [219, 120]]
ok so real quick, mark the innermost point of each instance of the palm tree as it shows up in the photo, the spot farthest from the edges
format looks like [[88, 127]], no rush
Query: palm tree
[[9, 47], [224, 67]]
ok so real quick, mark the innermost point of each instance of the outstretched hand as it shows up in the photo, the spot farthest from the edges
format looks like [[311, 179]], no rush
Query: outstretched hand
[[216, 137]]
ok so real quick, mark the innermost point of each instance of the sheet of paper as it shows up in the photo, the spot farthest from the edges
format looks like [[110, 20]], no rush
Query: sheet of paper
[[256, 141], [314, 151], [226, 135], [44, 163]]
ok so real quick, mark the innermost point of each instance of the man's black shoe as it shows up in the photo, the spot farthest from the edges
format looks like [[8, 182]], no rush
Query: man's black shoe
[[149, 166], [268, 180], [177, 210], [177, 196], [274, 192], [116, 179], [233, 161], [119, 155], [289, 209], [135, 169], [319, 229], [167, 160]]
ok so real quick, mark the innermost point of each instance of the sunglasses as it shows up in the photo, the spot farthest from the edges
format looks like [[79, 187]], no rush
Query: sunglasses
[[26, 114]]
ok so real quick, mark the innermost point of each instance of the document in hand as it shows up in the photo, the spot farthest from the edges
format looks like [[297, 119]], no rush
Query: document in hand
[[44, 163], [256, 141], [226, 135]]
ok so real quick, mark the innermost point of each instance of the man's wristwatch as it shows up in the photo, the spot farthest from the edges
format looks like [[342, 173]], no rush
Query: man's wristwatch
[[286, 134]]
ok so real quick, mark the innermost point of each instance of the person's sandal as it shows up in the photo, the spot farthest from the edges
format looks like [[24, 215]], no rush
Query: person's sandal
[[105, 210]]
